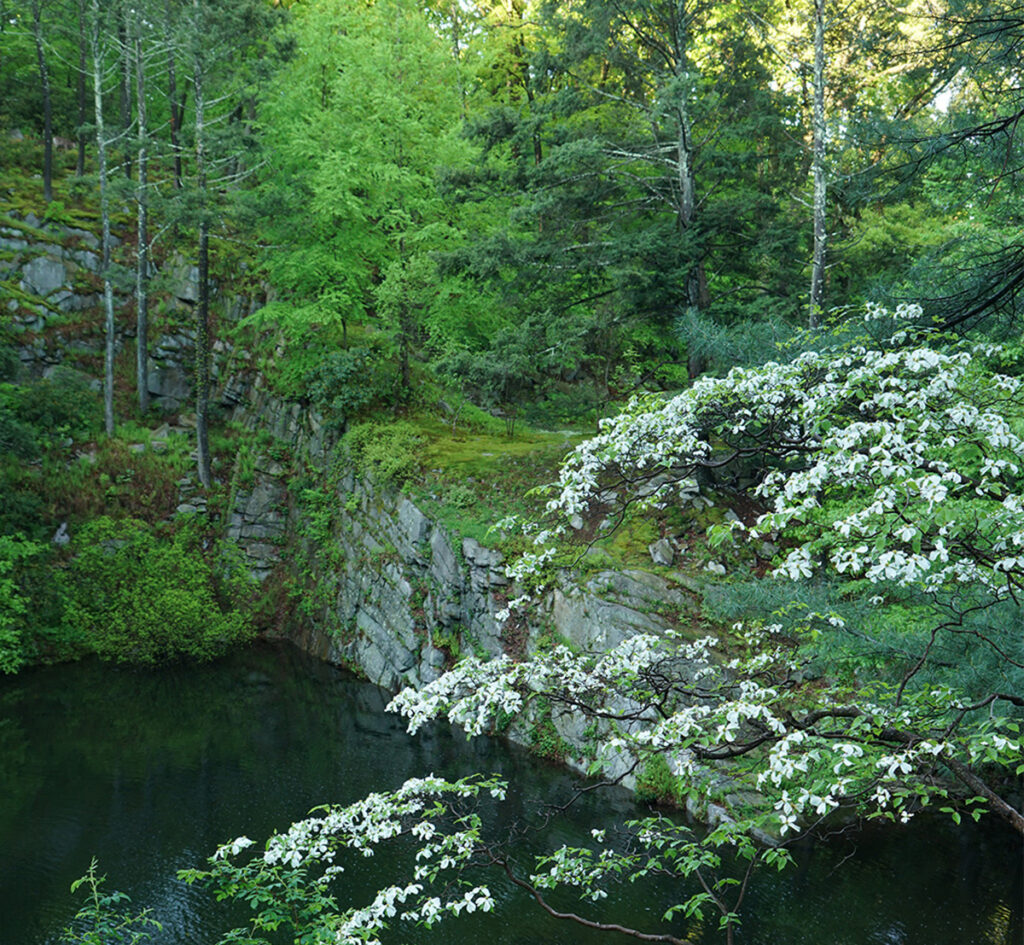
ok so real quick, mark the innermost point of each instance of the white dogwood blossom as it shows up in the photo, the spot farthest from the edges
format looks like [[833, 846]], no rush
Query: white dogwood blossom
[[865, 442], [295, 873]]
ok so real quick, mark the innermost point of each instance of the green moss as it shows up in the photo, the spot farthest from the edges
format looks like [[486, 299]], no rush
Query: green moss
[[473, 480], [627, 546], [12, 291], [33, 234]]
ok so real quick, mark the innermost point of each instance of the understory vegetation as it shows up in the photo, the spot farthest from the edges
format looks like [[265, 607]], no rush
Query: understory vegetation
[[726, 293]]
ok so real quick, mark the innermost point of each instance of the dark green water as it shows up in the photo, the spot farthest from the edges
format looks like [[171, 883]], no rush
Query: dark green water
[[149, 771]]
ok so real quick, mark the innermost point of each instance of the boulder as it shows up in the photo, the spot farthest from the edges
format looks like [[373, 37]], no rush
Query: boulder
[[413, 522], [168, 384], [662, 552], [184, 283], [43, 276]]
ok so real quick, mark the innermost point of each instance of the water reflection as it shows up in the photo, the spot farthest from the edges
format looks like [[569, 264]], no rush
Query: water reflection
[[149, 771]]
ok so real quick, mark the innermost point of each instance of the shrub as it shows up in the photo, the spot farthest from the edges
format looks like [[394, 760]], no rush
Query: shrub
[[15, 603], [35, 414], [142, 599], [387, 451], [348, 382], [63, 405]]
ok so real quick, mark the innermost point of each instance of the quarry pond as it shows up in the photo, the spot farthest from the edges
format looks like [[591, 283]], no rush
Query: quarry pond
[[149, 771]]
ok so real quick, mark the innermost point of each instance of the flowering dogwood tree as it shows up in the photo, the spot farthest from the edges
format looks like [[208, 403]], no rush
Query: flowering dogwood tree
[[891, 465], [888, 471]]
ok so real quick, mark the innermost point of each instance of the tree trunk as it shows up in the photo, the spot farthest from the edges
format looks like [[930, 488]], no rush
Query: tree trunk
[[142, 232], [172, 99], [819, 145], [176, 117], [124, 90], [101, 153], [203, 358], [202, 380], [82, 66], [44, 84], [696, 279]]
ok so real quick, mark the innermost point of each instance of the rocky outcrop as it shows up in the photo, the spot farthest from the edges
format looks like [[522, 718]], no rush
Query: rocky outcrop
[[47, 271], [258, 518], [409, 597], [393, 594], [50, 270]]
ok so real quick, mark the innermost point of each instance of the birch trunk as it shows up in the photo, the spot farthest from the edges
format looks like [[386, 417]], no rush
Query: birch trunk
[[818, 155], [83, 64], [142, 232], [202, 379], [124, 90], [172, 99], [101, 156]]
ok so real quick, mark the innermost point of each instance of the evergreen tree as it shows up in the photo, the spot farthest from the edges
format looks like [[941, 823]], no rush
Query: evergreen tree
[[644, 168], [227, 49]]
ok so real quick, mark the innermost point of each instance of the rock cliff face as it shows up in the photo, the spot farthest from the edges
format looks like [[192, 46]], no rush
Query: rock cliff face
[[50, 271], [47, 270], [394, 595]]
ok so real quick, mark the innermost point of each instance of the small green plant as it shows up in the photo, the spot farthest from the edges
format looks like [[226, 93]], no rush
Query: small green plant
[[544, 738], [245, 467], [447, 639], [459, 496], [656, 784], [56, 212], [102, 920]]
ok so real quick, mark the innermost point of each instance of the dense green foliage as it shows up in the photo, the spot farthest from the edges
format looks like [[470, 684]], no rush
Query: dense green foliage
[[135, 598]]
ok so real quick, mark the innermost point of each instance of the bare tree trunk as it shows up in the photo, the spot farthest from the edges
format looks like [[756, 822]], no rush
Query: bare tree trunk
[[696, 278], [82, 66], [124, 88], [101, 152], [203, 358], [819, 145], [142, 228], [176, 108], [202, 380], [44, 84], [696, 281]]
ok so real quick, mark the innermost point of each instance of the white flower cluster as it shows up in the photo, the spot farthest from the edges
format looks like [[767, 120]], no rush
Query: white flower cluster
[[910, 443], [420, 809], [360, 826], [473, 693], [582, 869]]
